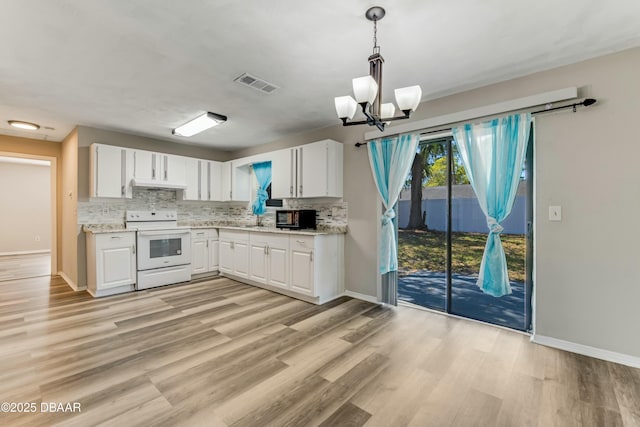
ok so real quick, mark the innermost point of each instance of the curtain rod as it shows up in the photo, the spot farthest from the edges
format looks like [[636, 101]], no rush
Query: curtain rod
[[587, 102]]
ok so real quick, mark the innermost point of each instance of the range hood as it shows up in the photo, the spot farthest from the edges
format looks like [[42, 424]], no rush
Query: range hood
[[151, 183]]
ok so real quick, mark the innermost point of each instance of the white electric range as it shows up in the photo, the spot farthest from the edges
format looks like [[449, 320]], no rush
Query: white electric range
[[163, 248]]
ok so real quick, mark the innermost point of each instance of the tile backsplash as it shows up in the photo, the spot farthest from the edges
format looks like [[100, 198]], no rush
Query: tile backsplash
[[112, 211]]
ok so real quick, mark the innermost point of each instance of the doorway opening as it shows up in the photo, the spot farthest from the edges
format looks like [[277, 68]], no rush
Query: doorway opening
[[442, 233], [27, 220]]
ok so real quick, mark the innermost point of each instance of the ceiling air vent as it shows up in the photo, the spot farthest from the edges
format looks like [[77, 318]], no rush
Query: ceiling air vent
[[255, 83]]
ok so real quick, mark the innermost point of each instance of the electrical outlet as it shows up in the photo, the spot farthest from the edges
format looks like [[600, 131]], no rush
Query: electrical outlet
[[105, 211], [37, 237], [555, 213]]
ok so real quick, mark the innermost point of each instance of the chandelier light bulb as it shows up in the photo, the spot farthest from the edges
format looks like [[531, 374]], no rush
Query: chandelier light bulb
[[345, 107]]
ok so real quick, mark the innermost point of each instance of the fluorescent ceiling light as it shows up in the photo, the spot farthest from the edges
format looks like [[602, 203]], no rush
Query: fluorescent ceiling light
[[199, 124], [23, 125]]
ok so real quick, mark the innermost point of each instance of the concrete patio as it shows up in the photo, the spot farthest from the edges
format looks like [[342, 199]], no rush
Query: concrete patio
[[427, 289]]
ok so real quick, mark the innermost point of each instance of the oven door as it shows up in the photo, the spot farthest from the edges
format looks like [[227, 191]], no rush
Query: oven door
[[163, 248]]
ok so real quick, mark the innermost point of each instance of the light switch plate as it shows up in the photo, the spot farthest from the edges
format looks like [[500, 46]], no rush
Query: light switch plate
[[555, 213]]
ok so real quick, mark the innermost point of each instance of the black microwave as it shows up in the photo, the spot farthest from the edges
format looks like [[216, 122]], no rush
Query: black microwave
[[297, 219]]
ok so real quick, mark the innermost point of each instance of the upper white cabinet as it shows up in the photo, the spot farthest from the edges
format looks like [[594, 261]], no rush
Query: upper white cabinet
[[157, 169], [110, 171], [215, 180], [236, 183], [311, 170], [203, 180]]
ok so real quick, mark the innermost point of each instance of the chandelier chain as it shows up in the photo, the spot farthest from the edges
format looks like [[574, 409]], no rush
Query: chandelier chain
[[375, 34]]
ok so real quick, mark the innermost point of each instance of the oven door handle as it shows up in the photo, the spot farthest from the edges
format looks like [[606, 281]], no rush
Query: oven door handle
[[163, 233]]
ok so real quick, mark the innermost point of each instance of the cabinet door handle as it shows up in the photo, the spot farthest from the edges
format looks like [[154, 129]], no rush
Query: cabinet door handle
[[264, 250], [122, 190], [302, 242], [232, 245], [207, 243], [116, 237], [301, 190], [291, 190], [166, 166], [153, 166], [311, 256], [134, 249]]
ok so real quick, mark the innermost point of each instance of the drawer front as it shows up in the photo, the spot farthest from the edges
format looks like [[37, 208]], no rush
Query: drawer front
[[301, 243], [234, 235], [199, 234], [115, 240]]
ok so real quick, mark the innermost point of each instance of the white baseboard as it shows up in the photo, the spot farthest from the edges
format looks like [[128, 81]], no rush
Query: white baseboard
[[43, 251], [70, 282], [363, 297], [598, 353]]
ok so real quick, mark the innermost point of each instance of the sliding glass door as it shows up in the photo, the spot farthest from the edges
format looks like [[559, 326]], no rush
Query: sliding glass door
[[440, 249]]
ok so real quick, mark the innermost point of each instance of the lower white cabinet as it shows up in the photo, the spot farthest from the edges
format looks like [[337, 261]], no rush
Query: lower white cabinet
[[111, 263], [234, 253], [309, 267], [204, 251], [269, 259]]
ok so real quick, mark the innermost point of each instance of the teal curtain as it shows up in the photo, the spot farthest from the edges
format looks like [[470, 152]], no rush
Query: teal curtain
[[391, 160], [262, 172], [493, 155]]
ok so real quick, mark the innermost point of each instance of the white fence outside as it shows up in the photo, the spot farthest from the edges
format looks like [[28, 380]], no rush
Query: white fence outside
[[466, 213]]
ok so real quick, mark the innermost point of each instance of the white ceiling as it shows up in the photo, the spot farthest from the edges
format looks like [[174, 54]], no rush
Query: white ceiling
[[147, 66]]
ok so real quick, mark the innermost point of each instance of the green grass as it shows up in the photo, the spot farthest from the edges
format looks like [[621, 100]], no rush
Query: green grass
[[426, 250]]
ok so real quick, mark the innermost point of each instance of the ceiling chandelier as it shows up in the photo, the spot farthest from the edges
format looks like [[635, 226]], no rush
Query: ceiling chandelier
[[368, 90]]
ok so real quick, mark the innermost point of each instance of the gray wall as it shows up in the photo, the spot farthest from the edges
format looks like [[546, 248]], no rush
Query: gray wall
[[586, 273]]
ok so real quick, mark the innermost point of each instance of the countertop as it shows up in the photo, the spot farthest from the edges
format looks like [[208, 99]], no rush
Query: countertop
[[119, 227]]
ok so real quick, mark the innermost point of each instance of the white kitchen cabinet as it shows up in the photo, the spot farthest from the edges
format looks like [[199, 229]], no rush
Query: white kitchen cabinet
[[174, 169], [204, 180], [199, 253], [234, 252], [197, 179], [215, 180], [204, 251], [309, 267], [214, 253], [302, 265], [258, 257], [283, 173], [157, 169], [317, 265], [236, 184], [226, 255], [111, 263], [110, 171], [144, 165], [269, 259], [192, 191], [278, 261], [311, 170]]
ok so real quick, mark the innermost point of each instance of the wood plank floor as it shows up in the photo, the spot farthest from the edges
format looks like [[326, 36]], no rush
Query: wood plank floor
[[220, 353], [13, 267]]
